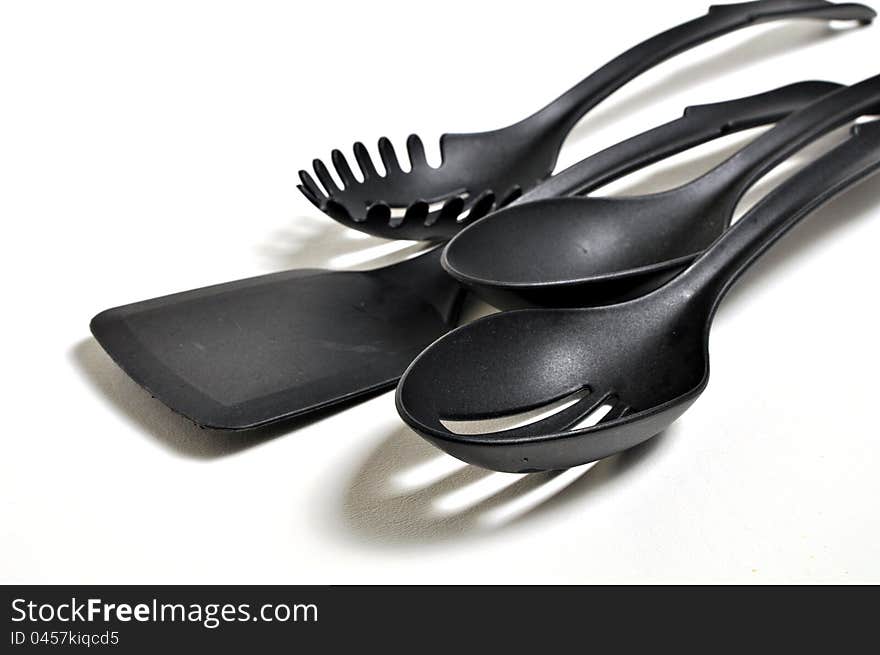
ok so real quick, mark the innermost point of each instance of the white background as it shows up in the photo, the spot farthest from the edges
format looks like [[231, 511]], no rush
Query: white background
[[152, 147]]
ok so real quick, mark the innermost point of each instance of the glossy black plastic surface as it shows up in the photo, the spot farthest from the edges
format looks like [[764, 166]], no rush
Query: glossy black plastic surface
[[647, 358], [482, 171], [576, 251], [248, 353]]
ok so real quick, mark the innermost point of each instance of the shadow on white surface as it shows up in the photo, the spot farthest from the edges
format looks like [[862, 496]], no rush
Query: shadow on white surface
[[408, 492], [782, 40], [319, 241]]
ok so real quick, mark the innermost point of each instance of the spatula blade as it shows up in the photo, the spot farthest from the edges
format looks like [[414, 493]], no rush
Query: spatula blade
[[245, 354]]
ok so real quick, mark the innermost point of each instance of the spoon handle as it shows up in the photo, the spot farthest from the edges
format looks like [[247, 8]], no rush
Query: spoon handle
[[560, 115], [698, 124], [713, 273], [733, 177]]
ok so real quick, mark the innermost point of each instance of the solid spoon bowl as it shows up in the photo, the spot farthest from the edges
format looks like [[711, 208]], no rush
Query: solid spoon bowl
[[581, 251], [575, 251]]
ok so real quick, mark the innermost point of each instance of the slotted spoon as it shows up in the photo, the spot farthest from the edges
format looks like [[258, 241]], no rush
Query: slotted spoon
[[647, 358]]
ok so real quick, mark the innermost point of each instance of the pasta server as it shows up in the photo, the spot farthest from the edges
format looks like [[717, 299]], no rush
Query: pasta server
[[485, 170]]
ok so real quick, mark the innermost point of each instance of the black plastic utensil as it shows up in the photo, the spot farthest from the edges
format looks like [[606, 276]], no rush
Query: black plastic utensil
[[569, 252], [485, 170], [647, 358], [245, 354]]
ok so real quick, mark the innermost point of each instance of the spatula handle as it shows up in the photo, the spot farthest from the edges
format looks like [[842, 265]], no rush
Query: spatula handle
[[560, 116], [699, 124], [712, 274]]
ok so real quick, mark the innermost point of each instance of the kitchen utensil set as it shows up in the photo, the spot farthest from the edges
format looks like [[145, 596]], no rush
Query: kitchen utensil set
[[252, 352], [620, 291]]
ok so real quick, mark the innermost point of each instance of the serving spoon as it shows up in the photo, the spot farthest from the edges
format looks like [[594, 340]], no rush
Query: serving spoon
[[589, 251], [646, 359], [482, 171]]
